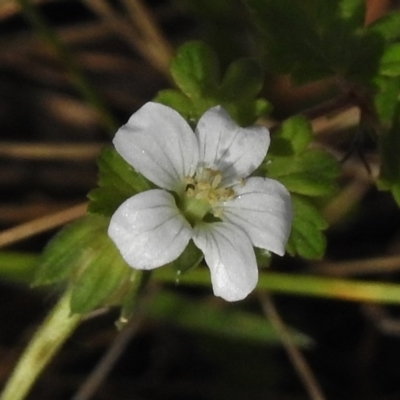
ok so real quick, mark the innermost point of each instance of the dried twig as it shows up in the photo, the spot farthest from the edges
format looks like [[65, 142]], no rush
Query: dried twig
[[155, 41], [376, 265], [300, 364], [42, 224], [142, 42], [49, 151], [92, 383]]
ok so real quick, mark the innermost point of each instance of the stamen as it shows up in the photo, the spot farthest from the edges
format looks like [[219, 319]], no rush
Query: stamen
[[204, 186]]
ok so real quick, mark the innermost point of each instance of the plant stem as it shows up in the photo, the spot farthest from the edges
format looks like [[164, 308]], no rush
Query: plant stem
[[303, 285], [55, 330], [289, 284], [299, 362]]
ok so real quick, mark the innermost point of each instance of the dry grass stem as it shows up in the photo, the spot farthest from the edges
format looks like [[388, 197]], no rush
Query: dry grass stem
[[41, 224], [108, 361], [347, 199], [132, 36], [49, 151], [376, 265], [8, 8], [336, 121], [19, 213], [155, 41], [300, 364]]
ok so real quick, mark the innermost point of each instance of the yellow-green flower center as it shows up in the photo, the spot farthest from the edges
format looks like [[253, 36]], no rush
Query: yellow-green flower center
[[204, 193]]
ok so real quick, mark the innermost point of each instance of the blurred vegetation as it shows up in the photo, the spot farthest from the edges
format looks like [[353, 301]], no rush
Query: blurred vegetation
[[70, 73]]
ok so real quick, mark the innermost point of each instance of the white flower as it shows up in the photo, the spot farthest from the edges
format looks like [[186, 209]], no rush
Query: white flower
[[201, 176]]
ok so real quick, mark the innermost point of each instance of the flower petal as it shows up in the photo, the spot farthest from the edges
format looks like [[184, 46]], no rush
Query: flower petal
[[159, 144], [149, 230], [262, 207], [236, 152], [230, 256]]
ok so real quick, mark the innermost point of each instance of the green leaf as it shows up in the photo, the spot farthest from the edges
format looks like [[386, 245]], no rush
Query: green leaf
[[84, 254], [306, 238], [69, 250], [190, 109], [293, 137], [205, 318], [388, 27], [389, 178], [246, 112], [105, 273], [390, 61], [195, 69], [138, 279], [243, 80], [386, 98], [315, 39], [290, 37], [353, 11], [311, 173], [117, 182], [178, 101], [190, 258], [305, 171]]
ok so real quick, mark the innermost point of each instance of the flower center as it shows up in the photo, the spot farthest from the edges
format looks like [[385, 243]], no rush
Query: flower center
[[204, 193]]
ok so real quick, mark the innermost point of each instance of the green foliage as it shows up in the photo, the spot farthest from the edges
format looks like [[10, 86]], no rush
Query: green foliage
[[302, 170], [196, 71], [386, 98], [390, 61], [105, 274], [190, 258], [70, 250], [310, 173], [386, 102], [83, 254], [306, 238], [388, 27], [117, 182], [390, 163], [306, 173], [224, 24], [316, 39]]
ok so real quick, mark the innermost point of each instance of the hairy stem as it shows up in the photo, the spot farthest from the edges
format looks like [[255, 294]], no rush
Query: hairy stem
[[55, 330]]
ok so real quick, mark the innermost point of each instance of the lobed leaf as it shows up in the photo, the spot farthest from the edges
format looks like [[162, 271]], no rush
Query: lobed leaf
[[302, 170], [242, 80], [388, 26], [105, 273], [389, 178], [386, 98], [306, 172], [293, 136], [83, 254], [390, 61], [315, 39], [306, 238], [117, 182], [195, 69], [311, 173], [68, 250]]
